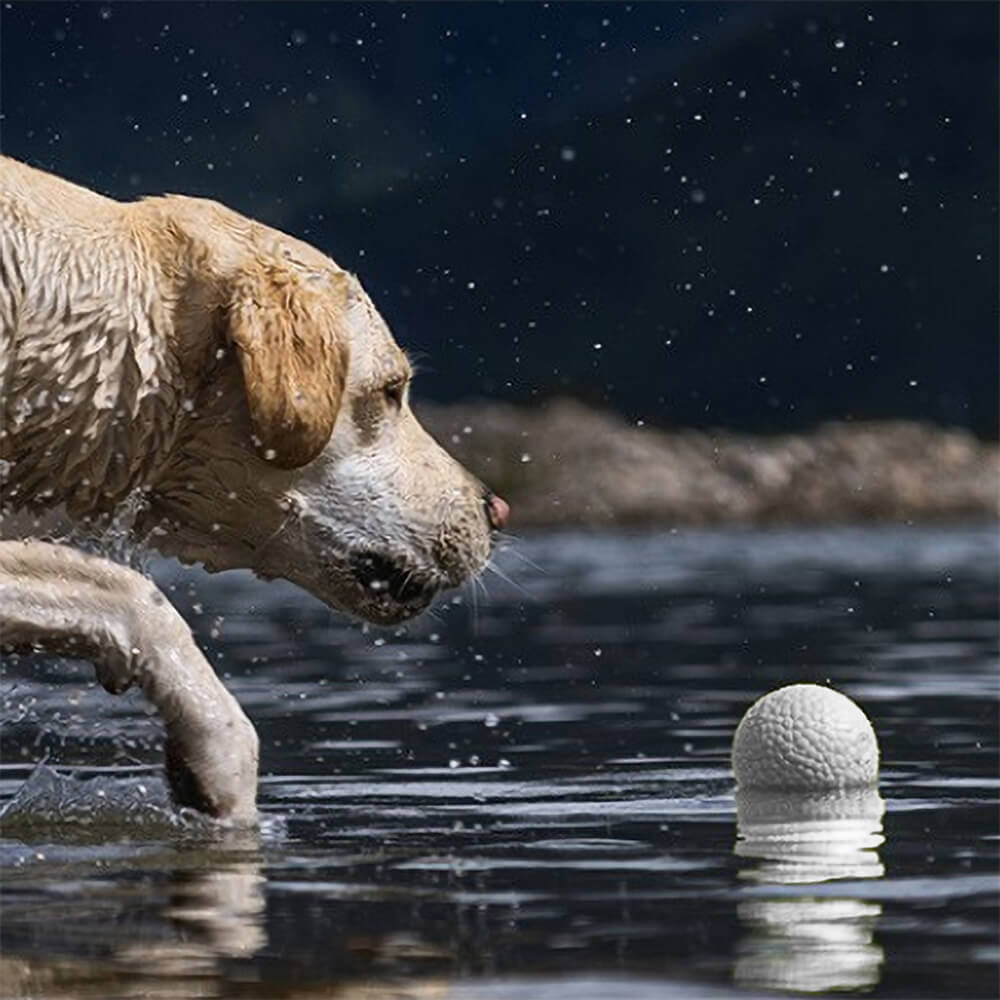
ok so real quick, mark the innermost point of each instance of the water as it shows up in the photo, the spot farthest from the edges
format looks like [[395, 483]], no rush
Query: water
[[527, 794]]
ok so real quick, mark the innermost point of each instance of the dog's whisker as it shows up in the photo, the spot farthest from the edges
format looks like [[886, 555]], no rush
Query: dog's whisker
[[505, 543], [524, 559], [510, 581], [509, 536], [474, 597]]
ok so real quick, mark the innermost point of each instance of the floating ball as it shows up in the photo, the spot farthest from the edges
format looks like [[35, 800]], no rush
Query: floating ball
[[805, 738]]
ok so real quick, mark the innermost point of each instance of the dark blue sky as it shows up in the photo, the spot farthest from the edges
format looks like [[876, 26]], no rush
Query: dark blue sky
[[751, 215]]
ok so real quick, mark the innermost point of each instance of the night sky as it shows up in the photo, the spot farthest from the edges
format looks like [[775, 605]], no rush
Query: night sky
[[757, 216]]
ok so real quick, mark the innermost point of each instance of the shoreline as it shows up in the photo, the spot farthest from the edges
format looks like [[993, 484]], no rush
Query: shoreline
[[563, 463]]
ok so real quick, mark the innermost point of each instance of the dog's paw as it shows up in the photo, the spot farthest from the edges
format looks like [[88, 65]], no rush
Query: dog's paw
[[218, 779], [187, 787]]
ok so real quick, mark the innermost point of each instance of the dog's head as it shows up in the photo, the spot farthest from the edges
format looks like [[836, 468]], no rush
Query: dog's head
[[300, 456]]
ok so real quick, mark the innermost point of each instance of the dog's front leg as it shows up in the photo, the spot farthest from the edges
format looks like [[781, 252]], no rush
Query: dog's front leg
[[57, 599]]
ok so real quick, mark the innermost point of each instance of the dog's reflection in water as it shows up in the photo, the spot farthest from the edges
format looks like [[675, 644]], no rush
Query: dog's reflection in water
[[213, 907], [186, 917]]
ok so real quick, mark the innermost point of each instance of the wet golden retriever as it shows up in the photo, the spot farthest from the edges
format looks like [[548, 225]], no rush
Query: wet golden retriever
[[240, 394]]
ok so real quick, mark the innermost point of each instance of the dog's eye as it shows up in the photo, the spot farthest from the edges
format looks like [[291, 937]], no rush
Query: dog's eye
[[394, 393]]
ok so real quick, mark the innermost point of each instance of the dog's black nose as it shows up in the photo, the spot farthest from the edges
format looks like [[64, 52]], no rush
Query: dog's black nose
[[497, 511]]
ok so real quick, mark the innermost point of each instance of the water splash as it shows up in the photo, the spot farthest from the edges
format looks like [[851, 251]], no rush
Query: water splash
[[55, 804]]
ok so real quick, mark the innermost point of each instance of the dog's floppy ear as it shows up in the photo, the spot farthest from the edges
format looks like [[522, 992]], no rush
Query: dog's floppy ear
[[291, 339]]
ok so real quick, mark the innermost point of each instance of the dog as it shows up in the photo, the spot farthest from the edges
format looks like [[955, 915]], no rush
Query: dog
[[240, 393]]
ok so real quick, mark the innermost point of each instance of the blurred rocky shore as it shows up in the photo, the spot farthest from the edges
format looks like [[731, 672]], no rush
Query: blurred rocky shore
[[564, 463]]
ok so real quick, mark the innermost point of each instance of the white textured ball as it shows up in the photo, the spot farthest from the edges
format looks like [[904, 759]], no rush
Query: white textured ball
[[805, 738]]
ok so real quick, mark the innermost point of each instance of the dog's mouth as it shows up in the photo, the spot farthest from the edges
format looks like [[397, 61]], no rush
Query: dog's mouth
[[393, 590]]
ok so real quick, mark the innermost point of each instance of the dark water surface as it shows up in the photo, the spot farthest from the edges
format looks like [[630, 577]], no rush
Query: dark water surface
[[527, 794]]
